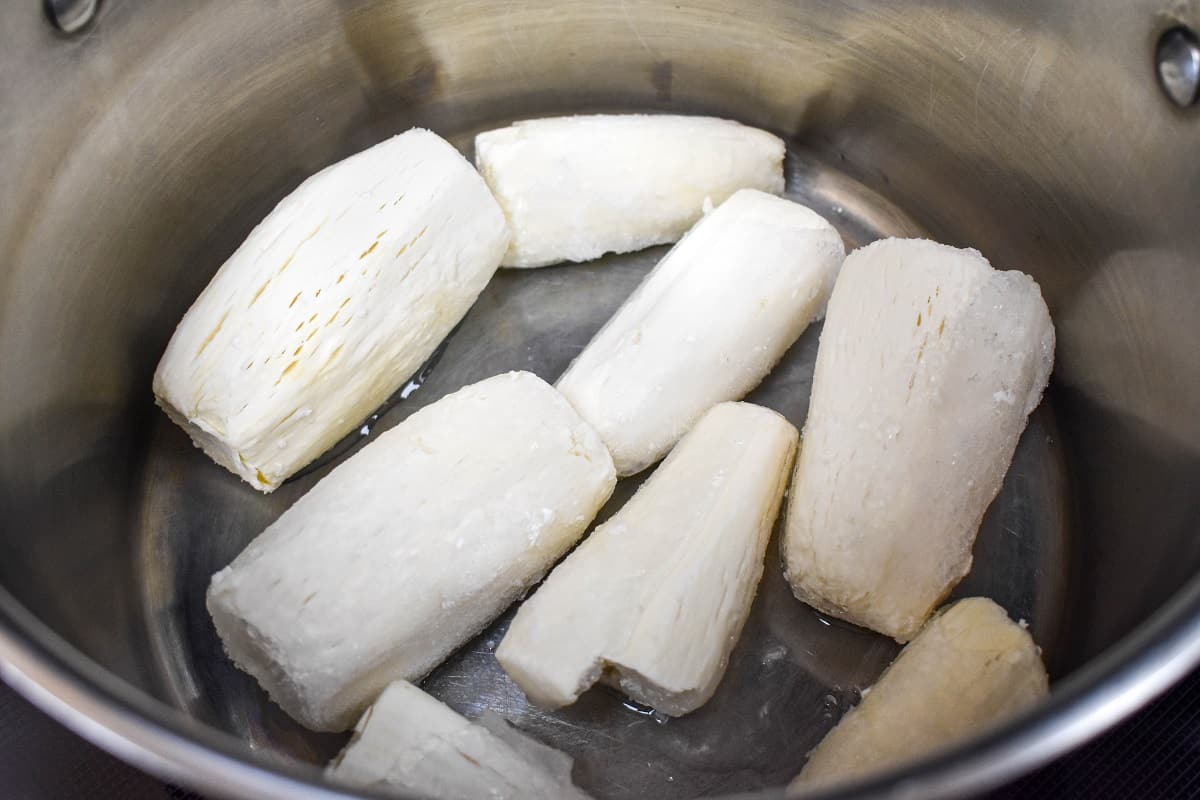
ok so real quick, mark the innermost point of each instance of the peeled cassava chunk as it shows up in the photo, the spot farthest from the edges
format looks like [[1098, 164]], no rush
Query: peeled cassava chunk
[[706, 325], [333, 301], [969, 667], [654, 600], [408, 742], [929, 364], [575, 188], [410, 547]]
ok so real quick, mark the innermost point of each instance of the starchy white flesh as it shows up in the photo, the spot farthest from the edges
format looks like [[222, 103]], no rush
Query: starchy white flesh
[[706, 325], [410, 547], [333, 301], [409, 742], [929, 364], [575, 188], [654, 600], [969, 667]]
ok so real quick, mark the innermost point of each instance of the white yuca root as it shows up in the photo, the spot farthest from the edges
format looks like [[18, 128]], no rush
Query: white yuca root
[[654, 600], [333, 301], [929, 364], [409, 742], [575, 188], [411, 547], [969, 667], [706, 325]]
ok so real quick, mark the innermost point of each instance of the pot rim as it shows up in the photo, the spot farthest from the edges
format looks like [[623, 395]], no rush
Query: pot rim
[[161, 740]]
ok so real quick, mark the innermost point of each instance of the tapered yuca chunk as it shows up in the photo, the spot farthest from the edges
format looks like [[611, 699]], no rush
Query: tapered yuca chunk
[[575, 188], [970, 667], [409, 742], [706, 325], [929, 364], [334, 300], [410, 547], [655, 599]]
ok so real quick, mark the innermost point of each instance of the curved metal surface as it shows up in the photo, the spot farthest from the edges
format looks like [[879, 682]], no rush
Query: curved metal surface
[[137, 154], [1178, 62], [161, 741], [71, 16]]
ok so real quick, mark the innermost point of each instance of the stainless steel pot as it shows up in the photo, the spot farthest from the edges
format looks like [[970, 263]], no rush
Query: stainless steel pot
[[136, 152]]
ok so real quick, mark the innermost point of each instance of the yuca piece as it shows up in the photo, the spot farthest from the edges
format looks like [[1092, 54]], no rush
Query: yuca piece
[[334, 300], [575, 188], [706, 325], [409, 742], [410, 547], [969, 667], [929, 364], [654, 600]]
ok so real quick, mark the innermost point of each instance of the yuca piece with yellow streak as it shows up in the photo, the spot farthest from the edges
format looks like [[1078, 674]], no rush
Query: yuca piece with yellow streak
[[333, 301], [929, 364]]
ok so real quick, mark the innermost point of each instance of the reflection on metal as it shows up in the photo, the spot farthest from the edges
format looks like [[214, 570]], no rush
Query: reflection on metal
[[70, 16], [1178, 62]]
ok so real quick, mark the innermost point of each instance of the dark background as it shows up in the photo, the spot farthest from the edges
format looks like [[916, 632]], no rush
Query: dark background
[[1153, 756]]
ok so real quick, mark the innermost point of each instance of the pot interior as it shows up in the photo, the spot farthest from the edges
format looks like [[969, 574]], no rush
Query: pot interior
[[141, 152]]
